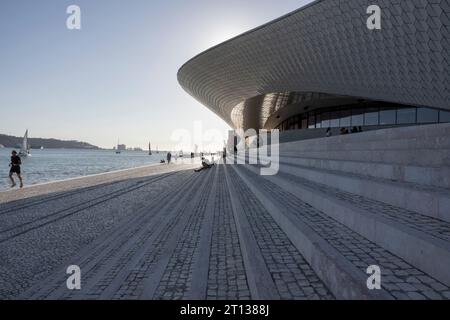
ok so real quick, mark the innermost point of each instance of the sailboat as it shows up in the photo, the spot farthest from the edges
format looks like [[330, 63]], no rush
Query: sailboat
[[117, 149], [25, 148], [149, 149]]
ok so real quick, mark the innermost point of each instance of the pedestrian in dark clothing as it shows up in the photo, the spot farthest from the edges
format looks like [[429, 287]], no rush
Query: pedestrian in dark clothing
[[15, 168], [344, 131]]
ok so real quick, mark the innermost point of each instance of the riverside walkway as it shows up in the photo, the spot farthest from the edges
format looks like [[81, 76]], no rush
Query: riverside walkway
[[166, 236], [166, 232]]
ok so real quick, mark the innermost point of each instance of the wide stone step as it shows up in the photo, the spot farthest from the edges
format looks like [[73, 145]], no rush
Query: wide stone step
[[416, 238], [339, 255], [330, 144], [428, 176], [429, 201], [276, 269], [413, 157]]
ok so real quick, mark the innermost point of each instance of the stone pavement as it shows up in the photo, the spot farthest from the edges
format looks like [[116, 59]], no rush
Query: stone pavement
[[185, 235]]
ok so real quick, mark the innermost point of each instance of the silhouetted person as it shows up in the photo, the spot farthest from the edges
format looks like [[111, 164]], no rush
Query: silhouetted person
[[329, 133], [354, 130], [360, 129], [205, 165], [15, 168], [169, 157], [344, 131]]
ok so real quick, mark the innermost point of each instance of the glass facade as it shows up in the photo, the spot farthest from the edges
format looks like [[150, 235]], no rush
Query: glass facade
[[388, 116], [366, 115], [372, 117], [425, 115], [406, 116], [444, 116], [357, 117]]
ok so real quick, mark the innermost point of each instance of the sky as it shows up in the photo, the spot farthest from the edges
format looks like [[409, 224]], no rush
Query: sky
[[116, 78]]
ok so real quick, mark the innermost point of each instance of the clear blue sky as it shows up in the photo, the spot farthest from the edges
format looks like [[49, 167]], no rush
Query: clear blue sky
[[117, 76]]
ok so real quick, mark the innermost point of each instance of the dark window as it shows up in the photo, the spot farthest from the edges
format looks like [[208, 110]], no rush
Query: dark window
[[426, 115], [388, 116], [318, 121], [294, 122], [357, 117], [345, 118], [371, 117], [304, 121], [444, 116], [311, 121], [291, 124], [406, 116], [325, 117]]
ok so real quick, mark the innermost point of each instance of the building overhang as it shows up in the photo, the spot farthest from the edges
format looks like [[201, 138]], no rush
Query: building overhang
[[326, 48]]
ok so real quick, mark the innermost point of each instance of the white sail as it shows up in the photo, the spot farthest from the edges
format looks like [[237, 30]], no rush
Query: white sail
[[25, 149]]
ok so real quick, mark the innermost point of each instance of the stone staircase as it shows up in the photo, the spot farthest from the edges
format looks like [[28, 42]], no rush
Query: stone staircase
[[375, 198]]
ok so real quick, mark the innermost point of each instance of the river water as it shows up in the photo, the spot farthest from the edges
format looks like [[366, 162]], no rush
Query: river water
[[59, 164]]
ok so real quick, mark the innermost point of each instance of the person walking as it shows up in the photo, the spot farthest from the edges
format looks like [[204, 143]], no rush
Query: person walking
[[15, 168], [169, 157]]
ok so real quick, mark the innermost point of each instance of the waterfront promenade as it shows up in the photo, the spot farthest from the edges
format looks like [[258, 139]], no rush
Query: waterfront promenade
[[309, 232]]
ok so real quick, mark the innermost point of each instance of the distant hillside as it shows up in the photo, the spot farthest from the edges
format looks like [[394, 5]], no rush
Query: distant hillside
[[12, 142]]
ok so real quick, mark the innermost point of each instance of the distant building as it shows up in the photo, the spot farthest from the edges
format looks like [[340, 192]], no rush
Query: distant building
[[121, 147]]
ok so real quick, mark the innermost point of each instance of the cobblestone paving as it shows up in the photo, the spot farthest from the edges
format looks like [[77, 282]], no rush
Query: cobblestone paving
[[32, 256], [177, 278], [111, 254], [50, 212], [15, 214], [133, 285], [400, 279], [292, 275], [434, 227], [227, 279], [146, 243], [117, 252]]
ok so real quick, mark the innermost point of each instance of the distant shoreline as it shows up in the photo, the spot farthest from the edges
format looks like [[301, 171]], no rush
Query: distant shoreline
[[8, 141]]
